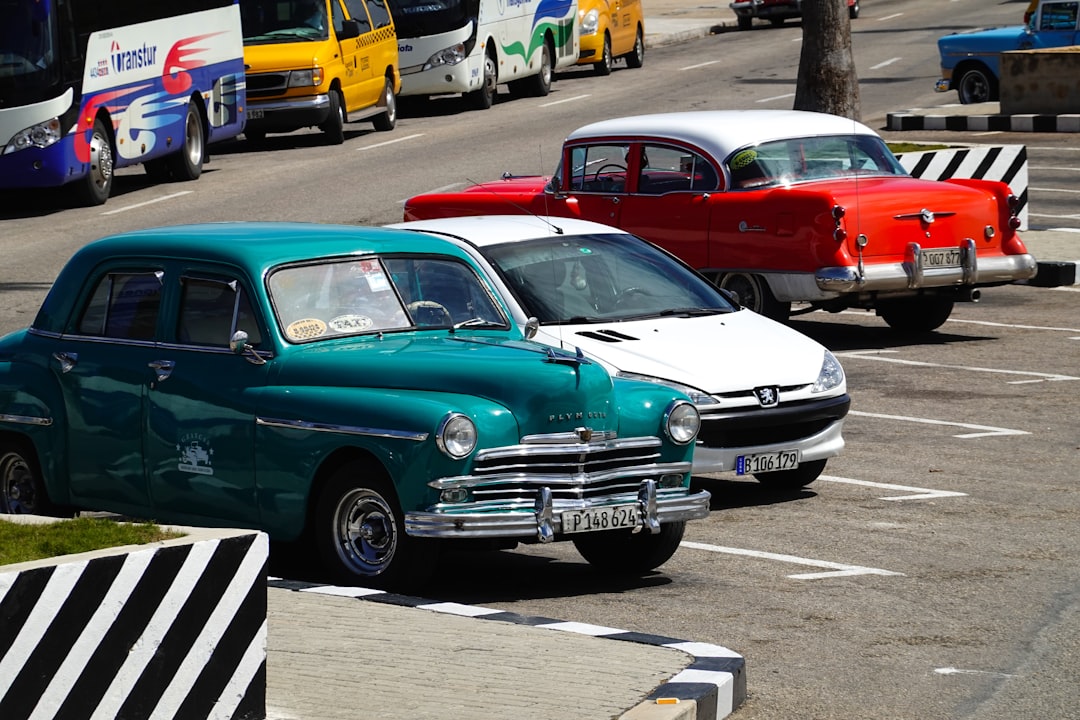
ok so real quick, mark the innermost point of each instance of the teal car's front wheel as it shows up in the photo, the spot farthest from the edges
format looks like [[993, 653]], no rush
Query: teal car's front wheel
[[360, 532], [623, 551], [22, 491]]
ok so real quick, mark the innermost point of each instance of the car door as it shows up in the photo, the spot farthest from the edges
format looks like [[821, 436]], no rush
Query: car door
[[357, 70], [1057, 25], [200, 419], [103, 364], [624, 14], [596, 181], [669, 203]]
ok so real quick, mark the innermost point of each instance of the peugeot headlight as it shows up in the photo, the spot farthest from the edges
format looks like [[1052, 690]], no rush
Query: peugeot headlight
[[590, 21], [447, 56], [682, 422], [306, 78], [831, 374], [698, 397], [40, 135], [456, 436]]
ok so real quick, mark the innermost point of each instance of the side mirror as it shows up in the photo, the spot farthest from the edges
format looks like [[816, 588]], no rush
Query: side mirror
[[349, 29], [238, 343], [532, 326]]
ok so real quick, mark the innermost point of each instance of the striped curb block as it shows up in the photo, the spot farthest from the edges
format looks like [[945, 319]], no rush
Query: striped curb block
[[1007, 163], [715, 680], [173, 629], [984, 123]]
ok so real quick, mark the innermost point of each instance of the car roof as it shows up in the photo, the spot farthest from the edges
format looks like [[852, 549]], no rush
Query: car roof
[[484, 230], [256, 245], [721, 132]]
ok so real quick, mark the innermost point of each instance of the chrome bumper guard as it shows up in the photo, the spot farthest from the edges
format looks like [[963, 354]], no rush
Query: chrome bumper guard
[[542, 517], [912, 274], [313, 102]]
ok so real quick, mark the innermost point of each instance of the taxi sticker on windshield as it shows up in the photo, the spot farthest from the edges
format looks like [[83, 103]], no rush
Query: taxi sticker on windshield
[[350, 323], [743, 159], [305, 329]]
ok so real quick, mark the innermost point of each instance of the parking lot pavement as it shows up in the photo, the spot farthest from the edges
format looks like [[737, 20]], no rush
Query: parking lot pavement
[[337, 652]]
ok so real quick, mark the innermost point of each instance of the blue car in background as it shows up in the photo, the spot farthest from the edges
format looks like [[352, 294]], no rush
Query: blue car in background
[[970, 62]]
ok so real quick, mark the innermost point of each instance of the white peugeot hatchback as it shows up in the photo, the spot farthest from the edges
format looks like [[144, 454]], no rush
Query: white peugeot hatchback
[[772, 400]]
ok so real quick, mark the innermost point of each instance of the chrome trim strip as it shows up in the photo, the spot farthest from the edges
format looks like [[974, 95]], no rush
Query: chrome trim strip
[[315, 102], [570, 436], [25, 420], [578, 448], [582, 480], [341, 429]]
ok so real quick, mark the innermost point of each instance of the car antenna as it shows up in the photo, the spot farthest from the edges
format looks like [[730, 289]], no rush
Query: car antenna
[[520, 208]]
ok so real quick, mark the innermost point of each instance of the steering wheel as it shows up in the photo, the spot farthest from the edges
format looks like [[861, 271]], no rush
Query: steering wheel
[[615, 166], [629, 294], [430, 313]]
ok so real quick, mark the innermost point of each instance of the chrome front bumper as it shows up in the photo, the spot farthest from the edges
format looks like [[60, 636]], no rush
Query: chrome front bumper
[[911, 274], [542, 518]]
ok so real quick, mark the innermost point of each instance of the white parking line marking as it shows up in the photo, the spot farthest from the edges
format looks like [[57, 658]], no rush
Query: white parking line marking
[[838, 569], [877, 355], [920, 493], [888, 62], [958, 671], [403, 138], [987, 430], [889, 17], [1011, 325], [699, 65], [148, 202], [776, 97], [566, 100], [1046, 189]]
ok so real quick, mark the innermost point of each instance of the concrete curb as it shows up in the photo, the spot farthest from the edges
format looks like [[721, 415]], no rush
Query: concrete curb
[[711, 687], [929, 120]]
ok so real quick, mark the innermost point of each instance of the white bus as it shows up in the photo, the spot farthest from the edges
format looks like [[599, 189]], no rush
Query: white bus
[[472, 46]]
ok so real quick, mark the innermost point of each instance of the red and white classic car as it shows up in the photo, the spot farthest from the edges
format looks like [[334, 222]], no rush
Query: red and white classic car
[[779, 207]]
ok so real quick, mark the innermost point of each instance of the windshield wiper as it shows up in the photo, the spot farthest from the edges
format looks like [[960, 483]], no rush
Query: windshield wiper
[[476, 322], [693, 311]]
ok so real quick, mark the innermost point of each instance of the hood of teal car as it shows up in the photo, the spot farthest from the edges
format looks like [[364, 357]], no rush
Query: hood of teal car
[[547, 396]]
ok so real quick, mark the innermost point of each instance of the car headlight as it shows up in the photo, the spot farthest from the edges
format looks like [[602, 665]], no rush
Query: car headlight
[[447, 56], [590, 21], [306, 78], [40, 135], [831, 374], [698, 397], [456, 436], [682, 422]]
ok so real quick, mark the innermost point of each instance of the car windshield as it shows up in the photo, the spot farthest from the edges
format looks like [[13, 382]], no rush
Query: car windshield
[[278, 21], [330, 299], [782, 162], [601, 278]]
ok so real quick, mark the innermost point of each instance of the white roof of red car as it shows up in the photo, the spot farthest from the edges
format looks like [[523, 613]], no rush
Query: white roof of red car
[[721, 132], [494, 229]]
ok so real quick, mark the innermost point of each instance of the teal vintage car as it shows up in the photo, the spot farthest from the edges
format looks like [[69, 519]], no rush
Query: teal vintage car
[[359, 388]]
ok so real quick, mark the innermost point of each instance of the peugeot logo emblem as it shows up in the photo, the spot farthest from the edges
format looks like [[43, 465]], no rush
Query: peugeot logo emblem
[[767, 396]]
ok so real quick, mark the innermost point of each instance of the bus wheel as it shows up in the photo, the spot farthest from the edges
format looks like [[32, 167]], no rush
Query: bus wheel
[[539, 84], [334, 127], [484, 98], [636, 57], [96, 185], [387, 120], [186, 164]]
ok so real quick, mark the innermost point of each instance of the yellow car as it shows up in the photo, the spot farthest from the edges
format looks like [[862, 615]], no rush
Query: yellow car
[[611, 29]]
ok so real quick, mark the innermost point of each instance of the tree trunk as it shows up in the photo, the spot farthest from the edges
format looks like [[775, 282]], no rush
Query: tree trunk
[[827, 80]]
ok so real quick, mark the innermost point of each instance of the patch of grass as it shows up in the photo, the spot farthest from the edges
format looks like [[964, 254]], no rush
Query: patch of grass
[[22, 543], [899, 148]]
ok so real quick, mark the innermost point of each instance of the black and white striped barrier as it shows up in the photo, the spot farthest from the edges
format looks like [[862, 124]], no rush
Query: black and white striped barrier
[[1007, 163], [715, 679], [176, 630]]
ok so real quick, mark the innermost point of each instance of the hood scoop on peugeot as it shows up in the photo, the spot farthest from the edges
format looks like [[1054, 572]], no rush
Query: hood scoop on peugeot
[[610, 336]]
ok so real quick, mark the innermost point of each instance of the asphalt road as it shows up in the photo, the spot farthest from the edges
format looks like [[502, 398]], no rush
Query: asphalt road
[[931, 574]]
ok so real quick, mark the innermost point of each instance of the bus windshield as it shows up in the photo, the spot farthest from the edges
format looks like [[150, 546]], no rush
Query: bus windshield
[[28, 58], [421, 18]]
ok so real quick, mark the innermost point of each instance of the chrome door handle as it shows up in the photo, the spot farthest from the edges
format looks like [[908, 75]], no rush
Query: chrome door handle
[[163, 368], [67, 360]]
